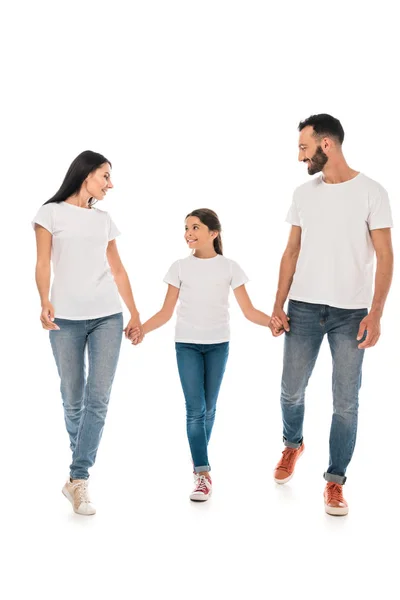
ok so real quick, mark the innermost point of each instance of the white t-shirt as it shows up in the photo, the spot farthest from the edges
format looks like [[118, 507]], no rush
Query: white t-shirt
[[83, 286], [336, 261], [204, 283]]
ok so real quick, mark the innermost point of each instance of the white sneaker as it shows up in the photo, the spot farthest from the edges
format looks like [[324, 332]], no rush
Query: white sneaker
[[203, 488], [77, 493]]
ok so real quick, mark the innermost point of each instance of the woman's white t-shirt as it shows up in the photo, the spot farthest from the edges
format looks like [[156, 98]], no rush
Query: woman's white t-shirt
[[204, 284], [336, 261], [83, 286]]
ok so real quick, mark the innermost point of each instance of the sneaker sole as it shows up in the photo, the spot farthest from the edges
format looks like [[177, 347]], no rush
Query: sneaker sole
[[336, 511], [69, 497], [282, 481], [199, 498]]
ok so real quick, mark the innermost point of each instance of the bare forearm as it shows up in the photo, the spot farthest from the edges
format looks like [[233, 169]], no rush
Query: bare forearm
[[156, 321], [125, 291], [258, 317], [383, 280], [42, 276], [286, 273]]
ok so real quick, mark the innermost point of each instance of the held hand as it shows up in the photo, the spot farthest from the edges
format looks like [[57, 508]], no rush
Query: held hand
[[372, 324], [279, 316], [47, 317], [134, 326], [136, 336], [276, 328]]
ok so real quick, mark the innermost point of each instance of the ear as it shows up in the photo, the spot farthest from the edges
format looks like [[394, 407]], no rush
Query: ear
[[327, 144]]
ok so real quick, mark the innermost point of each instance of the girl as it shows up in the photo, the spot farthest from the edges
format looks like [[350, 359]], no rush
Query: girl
[[85, 310], [202, 282]]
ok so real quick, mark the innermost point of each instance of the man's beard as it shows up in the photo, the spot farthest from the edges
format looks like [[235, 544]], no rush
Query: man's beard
[[317, 162]]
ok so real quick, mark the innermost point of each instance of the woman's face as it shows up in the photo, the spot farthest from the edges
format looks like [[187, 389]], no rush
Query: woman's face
[[99, 182]]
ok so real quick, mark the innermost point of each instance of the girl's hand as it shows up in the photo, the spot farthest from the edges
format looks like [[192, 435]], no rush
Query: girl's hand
[[276, 326], [134, 324], [136, 336], [47, 317]]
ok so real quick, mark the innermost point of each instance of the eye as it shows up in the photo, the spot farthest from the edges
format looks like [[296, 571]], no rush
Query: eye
[[195, 226]]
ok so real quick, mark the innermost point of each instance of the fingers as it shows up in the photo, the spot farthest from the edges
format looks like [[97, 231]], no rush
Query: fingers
[[285, 321], [46, 318], [361, 330], [369, 341]]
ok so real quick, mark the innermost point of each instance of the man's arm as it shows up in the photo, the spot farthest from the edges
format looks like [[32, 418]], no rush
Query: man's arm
[[382, 241], [286, 273]]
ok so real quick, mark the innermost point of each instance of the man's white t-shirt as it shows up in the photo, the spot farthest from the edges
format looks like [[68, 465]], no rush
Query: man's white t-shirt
[[204, 284], [336, 261], [83, 286]]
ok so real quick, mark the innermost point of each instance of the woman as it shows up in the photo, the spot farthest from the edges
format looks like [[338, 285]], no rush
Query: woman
[[84, 312]]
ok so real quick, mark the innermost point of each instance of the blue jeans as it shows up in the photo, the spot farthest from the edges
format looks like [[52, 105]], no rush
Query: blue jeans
[[85, 399], [308, 325], [201, 369]]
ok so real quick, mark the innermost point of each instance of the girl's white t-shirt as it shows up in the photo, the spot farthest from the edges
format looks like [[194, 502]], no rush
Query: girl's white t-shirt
[[83, 286], [336, 261], [203, 310]]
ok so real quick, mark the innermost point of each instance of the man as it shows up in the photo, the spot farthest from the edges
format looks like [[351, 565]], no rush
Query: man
[[339, 220]]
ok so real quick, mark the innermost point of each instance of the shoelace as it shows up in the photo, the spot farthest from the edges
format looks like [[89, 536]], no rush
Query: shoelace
[[287, 460], [82, 491], [201, 485], [335, 493]]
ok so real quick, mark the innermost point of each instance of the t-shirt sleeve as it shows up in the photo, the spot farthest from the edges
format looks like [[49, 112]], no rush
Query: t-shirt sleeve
[[45, 218], [238, 276], [293, 214], [380, 214], [113, 231], [173, 275]]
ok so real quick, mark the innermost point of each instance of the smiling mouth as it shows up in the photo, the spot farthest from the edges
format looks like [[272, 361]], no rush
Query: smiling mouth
[[191, 241]]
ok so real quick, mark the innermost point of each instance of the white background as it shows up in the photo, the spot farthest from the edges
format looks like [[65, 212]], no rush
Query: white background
[[196, 104]]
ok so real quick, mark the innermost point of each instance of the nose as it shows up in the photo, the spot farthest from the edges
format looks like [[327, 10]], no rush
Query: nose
[[110, 184]]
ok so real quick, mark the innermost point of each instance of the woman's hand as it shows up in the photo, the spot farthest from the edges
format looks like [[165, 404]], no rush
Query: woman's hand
[[134, 330], [136, 336], [47, 317]]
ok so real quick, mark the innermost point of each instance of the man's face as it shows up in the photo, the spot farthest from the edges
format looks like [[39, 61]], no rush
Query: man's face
[[310, 151]]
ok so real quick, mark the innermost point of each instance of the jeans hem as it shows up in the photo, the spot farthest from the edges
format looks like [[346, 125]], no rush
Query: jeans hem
[[333, 478], [291, 444], [85, 477], [202, 469]]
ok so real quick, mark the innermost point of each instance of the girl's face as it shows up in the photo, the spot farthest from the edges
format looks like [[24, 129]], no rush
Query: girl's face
[[99, 182], [197, 235]]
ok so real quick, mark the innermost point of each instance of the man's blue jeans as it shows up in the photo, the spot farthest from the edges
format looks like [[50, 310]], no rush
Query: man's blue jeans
[[308, 325], [201, 369], [85, 399]]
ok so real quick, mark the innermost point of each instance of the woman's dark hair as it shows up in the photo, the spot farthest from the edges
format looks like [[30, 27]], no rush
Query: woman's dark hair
[[324, 126], [210, 219], [84, 164]]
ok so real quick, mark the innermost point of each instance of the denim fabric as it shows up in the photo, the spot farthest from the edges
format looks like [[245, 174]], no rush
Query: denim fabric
[[308, 325], [85, 398], [201, 369]]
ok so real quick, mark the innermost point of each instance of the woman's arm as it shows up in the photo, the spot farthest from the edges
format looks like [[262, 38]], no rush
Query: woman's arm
[[42, 275], [163, 315], [251, 313], [124, 287]]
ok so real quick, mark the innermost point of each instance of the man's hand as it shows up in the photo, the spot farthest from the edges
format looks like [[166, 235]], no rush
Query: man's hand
[[372, 324], [279, 314]]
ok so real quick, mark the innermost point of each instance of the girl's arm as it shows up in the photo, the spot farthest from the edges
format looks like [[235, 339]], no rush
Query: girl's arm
[[124, 288], [42, 274], [163, 315], [251, 313]]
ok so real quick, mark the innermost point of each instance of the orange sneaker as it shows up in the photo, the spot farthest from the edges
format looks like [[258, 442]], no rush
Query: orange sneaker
[[335, 504], [285, 468]]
